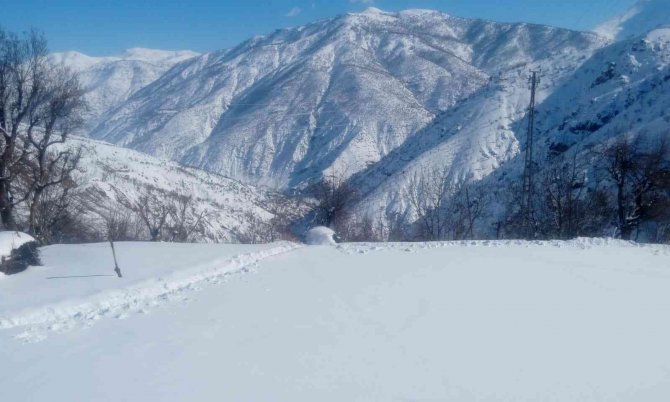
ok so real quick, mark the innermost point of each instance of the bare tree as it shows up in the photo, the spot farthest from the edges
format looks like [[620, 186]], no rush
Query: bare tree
[[40, 105], [333, 194], [636, 172], [184, 218], [564, 189], [466, 209], [119, 225], [153, 211], [428, 193], [660, 209], [59, 115], [57, 216], [108, 215], [23, 72]]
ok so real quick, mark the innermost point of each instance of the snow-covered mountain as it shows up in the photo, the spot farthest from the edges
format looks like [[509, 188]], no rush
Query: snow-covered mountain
[[338, 96], [109, 81], [379, 98], [644, 16], [234, 212]]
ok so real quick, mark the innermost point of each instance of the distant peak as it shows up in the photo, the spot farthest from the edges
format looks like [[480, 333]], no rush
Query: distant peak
[[373, 10], [659, 35], [153, 54], [642, 17], [411, 12]]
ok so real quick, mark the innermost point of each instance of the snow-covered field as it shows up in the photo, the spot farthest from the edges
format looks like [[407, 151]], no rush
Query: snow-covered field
[[585, 320]]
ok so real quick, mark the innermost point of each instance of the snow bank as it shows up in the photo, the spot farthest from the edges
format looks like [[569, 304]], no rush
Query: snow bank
[[320, 236]]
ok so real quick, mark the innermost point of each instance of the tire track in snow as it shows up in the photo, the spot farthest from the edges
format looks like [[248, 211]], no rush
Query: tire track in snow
[[138, 298]]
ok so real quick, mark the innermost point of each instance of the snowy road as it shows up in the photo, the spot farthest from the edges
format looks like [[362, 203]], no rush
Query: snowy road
[[577, 321]]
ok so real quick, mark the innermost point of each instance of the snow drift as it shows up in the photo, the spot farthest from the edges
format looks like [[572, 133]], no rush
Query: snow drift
[[320, 236]]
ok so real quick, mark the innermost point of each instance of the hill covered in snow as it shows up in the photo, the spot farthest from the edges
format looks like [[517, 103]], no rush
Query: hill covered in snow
[[641, 18], [109, 81], [112, 178]]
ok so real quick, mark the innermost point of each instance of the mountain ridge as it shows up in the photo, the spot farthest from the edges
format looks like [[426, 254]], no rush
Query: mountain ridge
[[642, 17], [109, 81], [367, 82]]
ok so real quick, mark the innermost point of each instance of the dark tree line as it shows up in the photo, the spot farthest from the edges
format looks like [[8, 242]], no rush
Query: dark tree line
[[619, 189], [152, 215], [640, 175]]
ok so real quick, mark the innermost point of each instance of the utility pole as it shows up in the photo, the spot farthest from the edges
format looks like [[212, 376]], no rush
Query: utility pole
[[527, 202]]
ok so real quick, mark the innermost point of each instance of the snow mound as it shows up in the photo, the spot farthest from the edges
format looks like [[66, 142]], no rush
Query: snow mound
[[320, 236]]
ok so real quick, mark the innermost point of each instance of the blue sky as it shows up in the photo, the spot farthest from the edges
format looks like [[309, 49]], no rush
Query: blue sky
[[103, 27]]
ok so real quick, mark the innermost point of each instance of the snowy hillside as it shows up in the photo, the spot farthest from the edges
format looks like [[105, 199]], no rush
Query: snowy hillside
[[476, 321], [338, 96], [622, 89], [644, 16], [109, 81], [234, 211]]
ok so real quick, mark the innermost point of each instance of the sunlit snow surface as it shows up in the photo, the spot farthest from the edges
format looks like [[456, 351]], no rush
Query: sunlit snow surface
[[472, 321]]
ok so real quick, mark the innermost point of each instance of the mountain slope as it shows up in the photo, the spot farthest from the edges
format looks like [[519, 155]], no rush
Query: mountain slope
[[624, 89], [333, 97], [644, 16], [109, 81], [112, 176]]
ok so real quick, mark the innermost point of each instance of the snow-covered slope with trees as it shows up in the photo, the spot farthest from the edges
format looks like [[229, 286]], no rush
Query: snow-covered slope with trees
[[337, 96], [471, 321], [113, 179], [109, 81], [624, 88], [644, 16]]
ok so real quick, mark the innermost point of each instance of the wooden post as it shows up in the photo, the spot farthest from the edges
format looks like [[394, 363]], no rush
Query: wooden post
[[116, 264]]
